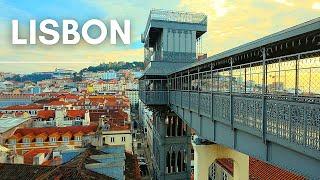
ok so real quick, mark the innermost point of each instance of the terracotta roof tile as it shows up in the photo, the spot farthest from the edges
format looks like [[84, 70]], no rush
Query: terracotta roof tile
[[58, 103], [227, 164], [261, 170], [69, 96], [119, 127], [24, 107], [46, 114], [76, 113], [59, 130], [28, 156]]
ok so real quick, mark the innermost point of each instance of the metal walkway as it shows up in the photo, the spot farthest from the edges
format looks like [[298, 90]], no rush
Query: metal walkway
[[261, 98]]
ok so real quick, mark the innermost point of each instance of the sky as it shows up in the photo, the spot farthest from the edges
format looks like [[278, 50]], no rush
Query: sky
[[230, 24]]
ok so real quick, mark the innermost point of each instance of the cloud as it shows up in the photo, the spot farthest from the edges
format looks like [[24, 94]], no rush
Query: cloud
[[285, 2], [316, 5], [220, 7], [230, 23]]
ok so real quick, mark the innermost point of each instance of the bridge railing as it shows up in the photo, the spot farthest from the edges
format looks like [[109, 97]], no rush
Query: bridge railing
[[277, 99], [292, 122], [154, 97], [293, 75]]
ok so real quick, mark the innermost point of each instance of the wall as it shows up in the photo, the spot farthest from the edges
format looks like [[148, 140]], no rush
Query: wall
[[117, 139], [205, 155]]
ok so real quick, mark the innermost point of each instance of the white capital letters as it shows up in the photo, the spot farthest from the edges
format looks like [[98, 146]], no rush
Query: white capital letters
[[86, 27], [115, 28], [32, 31], [48, 31], [15, 33], [73, 31]]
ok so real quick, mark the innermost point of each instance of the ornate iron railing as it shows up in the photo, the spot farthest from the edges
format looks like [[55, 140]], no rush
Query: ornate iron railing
[[276, 98]]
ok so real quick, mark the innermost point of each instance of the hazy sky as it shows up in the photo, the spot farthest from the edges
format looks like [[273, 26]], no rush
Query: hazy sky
[[230, 23]]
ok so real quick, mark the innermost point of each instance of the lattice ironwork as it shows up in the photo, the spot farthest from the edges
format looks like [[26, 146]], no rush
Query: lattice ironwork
[[248, 112], [185, 99], [205, 104], [194, 101], [221, 108]]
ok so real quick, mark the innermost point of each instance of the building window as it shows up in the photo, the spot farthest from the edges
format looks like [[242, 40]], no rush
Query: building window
[[39, 140], [12, 141], [26, 140], [212, 172], [53, 139], [65, 139], [78, 138], [224, 176], [123, 139], [112, 139]]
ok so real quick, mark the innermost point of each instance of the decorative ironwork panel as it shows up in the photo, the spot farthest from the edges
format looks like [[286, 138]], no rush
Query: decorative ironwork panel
[[156, 97], [296, 122], [194, 101], [248, 112], [173, 96], [312, 115], [178, 98], [205, 104], [185, 100], [283, 118], [221, 108]]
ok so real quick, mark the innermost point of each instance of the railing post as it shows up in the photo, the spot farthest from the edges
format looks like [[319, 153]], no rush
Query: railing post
[[199, 84], [176, 88], [230, 92], [264, 89], [305, 127], [211, 90], [181, 89], [189, 88], [297, 76]]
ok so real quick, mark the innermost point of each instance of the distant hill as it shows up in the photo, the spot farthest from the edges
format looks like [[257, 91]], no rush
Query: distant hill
[[34, 77], [114, 66]]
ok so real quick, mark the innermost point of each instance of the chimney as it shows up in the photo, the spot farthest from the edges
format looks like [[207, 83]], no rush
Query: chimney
[[86, 118], [59, 117], [17, 159], [38, 159]]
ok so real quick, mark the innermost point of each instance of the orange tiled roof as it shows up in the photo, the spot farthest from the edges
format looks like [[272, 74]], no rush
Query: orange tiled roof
[[69, 96], [46, 114], [261, 170], [226, 163], [42, 135], [60, 130], [69, 134], [24, 107], [28, 156], [16, 136], [30, 135], [118, 127], [76, 113], [58, 103], [54, 134]]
